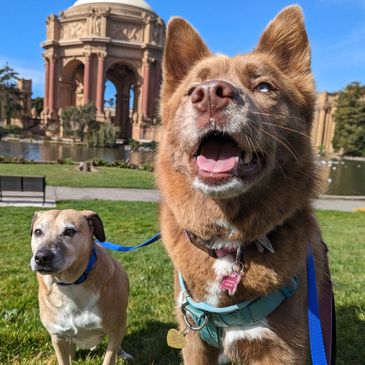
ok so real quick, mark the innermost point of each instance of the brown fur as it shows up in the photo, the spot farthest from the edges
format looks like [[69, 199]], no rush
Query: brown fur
[[277, 203]]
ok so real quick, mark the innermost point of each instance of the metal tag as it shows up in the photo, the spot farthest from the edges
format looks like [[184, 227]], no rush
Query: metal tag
[[176, 339], [230, 283]]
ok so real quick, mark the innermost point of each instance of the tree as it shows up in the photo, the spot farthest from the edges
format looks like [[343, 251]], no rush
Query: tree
[[79, 120], [349, 117], [37, 103], [10, 92]]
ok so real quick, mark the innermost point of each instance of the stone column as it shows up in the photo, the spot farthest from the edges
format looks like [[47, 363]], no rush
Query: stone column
[[87, 91], [46, 86], [52, 85], [156, 91], [146, 95], [100, 84], [125, 125]]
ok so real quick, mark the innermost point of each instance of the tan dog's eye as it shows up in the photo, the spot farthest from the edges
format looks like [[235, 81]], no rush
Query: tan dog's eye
[[38, 232], [264, 87], [69, 232]]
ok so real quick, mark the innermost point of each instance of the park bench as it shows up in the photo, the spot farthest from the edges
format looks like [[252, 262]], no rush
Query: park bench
[[25, 187]]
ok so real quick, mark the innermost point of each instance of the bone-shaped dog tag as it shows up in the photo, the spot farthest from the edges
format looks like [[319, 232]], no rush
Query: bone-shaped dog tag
[[176, 339]]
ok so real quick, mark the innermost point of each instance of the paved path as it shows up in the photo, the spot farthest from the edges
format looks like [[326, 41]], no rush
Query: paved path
[[66, 193], [55, 193]]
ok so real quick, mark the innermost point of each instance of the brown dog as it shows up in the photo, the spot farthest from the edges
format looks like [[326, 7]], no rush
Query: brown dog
[[237, 175], [83, 291]]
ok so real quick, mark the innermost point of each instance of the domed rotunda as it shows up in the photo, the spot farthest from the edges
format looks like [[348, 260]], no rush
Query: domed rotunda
[[101, 42]]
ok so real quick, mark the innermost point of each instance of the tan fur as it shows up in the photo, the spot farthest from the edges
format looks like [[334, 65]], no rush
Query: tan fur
[[277, 203], [107, 282]]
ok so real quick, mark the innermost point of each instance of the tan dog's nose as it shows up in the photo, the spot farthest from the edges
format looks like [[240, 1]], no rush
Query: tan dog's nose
[[44, 257], [213, 95]]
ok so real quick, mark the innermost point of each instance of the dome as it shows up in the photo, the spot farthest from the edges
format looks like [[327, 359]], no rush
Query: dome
[[138, 3]]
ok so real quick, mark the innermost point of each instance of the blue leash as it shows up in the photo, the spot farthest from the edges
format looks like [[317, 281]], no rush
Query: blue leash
[[114, 247], [318, 352]]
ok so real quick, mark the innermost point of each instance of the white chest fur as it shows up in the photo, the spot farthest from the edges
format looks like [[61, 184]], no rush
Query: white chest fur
[[76, 316]]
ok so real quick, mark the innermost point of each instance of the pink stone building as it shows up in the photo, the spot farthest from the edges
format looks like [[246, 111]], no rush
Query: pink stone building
[[96, 41]]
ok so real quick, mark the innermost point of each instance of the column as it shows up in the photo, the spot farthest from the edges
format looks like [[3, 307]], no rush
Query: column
[[146, 89], [46, 86], [100, 85], [125, 125], [87, 91], [52, 84], [158, 76]]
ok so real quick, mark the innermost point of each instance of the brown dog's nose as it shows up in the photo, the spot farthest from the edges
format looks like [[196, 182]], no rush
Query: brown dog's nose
[[44, 257], [213, 95]]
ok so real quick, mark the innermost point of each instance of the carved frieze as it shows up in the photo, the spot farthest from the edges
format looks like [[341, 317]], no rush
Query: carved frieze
[[125, 32], [73, 30]]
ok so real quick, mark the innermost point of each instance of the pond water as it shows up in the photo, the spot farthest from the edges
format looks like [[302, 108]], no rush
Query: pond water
[[54, 152], [345, 177]]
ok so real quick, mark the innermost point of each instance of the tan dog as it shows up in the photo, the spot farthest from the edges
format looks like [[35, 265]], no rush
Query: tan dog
[[78, 314], [237, 175]]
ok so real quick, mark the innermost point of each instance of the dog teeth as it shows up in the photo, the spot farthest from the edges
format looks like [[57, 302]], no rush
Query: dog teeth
[[248, 158]]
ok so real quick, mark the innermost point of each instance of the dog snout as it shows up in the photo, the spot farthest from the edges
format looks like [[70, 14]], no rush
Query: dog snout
[[212, 96], [44, 257]]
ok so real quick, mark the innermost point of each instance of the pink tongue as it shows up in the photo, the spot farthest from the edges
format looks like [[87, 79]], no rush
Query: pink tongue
[[218, 157]]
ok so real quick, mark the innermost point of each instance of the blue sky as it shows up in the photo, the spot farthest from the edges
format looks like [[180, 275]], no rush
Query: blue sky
[[336, 30]]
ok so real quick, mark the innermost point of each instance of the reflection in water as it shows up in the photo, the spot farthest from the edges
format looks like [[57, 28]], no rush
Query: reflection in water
[[54, 152], [345, 177]]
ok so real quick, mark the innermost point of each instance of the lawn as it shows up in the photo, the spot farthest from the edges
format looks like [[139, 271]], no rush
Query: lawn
[[69, 175], [151, 310]]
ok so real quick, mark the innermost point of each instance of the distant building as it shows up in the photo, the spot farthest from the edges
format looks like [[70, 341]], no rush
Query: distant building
[[98, 40], [26, 114], [324, 125]]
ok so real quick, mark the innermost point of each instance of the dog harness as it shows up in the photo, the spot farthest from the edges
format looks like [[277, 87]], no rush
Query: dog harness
[[210, 321]]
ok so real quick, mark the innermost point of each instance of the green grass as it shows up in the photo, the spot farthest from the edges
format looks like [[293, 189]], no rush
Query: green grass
[[69, 175], [24, 341]]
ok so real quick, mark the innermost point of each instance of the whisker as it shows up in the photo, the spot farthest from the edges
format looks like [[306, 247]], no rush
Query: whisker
[[281, 142], [276, 115], [287, 128]]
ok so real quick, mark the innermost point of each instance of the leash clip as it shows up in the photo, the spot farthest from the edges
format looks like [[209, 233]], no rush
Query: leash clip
[[239, 266], [189, 326]]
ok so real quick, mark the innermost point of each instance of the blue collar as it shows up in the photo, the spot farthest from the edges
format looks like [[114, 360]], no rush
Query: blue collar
[[85, 274], [210, 320]]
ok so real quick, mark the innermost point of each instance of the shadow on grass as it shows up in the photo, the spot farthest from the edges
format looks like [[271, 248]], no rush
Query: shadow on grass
[[350, 336], [149, 346]]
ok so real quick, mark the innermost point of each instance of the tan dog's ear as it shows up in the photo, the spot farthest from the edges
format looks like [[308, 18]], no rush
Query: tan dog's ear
[[36, 215], [285, 39], [96, 224], [184, 47]]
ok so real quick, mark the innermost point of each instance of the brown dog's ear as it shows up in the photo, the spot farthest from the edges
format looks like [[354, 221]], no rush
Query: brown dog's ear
[[184, 47], [285, 39], [96, 224], [36, 215]]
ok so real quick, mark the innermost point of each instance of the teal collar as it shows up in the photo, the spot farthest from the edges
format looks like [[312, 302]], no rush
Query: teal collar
[[210, 320]]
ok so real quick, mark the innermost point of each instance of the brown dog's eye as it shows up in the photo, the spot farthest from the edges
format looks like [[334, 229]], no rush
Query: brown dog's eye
[[263, 87], [69, 232], [37, 232]]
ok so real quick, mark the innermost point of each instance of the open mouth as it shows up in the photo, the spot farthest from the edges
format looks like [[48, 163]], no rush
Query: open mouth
[[219, 157]]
